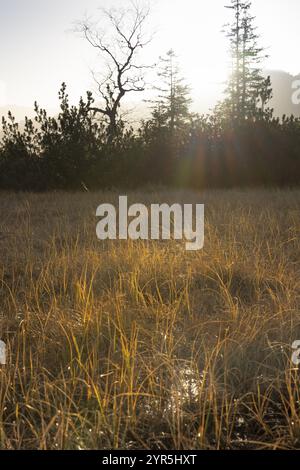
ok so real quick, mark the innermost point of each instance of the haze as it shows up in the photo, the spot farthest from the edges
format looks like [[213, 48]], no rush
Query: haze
[[39, 50]]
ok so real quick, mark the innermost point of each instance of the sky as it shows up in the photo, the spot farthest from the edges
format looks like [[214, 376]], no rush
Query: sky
[[39, 48]]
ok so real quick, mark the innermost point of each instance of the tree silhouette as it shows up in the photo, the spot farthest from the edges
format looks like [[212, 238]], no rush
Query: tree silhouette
[[247, 91], [171, 109], [124, 73]]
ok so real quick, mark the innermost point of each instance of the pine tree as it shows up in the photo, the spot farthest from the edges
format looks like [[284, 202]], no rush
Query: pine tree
[[171, 109], [248, 91]]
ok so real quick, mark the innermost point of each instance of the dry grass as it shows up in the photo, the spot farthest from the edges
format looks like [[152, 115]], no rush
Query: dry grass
[[144, 345]]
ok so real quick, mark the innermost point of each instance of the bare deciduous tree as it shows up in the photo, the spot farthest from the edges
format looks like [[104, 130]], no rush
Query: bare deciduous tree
[[124, 74]]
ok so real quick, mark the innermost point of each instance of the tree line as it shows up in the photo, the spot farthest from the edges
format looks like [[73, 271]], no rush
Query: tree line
[[90, 146]]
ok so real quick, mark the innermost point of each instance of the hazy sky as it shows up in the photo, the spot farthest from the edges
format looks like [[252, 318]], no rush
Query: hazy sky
[[38, 49]]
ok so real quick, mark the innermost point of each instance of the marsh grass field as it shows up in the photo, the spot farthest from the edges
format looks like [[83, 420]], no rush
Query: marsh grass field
[[143, 345]]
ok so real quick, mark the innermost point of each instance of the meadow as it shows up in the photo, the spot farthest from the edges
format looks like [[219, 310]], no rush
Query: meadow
[[144, 345]]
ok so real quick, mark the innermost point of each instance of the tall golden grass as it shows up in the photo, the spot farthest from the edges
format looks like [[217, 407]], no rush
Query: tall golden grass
[[130, 345]]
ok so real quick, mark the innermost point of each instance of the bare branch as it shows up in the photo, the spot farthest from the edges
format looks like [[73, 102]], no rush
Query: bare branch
[[121, 52]]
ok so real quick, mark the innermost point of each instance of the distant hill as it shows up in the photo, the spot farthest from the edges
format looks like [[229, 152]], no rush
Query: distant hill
[[18, 111], [283, 91], [281, 102]]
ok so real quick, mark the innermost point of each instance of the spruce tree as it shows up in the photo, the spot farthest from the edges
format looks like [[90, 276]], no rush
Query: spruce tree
[[248, 91], [171, 109]]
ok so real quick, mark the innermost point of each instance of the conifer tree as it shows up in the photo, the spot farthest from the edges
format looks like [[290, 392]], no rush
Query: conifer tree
[[171, 109], [248, 91]]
